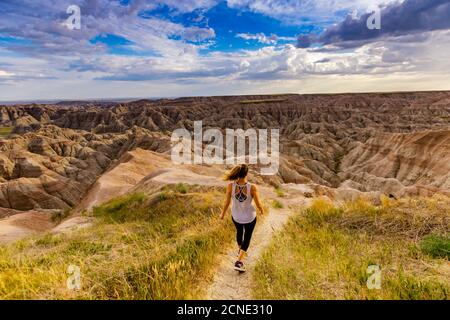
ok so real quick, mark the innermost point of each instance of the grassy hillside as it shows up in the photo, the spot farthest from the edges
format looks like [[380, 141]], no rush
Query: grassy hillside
[[324, 252], [141, 247]]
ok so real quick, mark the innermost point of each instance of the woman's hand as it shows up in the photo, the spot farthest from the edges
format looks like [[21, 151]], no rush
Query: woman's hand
[[222, 215]]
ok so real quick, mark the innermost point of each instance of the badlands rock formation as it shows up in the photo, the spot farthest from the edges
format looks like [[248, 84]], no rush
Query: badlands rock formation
[[413, 163], [342, 145], [53, 168]]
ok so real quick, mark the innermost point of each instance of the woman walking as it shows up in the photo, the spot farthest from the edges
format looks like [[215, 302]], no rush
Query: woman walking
[[243, 212]]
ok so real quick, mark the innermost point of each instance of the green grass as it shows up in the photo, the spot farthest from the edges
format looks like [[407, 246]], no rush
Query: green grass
[[324, 252], [182, 188], [277, 204], [60, 215], [437, 246], [140, 247], [279, 192], [5, 131]]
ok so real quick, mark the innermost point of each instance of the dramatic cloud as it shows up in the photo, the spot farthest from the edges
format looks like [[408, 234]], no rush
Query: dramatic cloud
[[173, 47], [284, 62], [410, 16], [43, 25], [312, 11]]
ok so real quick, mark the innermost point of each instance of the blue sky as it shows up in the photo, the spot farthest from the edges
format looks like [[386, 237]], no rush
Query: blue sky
[[139, 48]]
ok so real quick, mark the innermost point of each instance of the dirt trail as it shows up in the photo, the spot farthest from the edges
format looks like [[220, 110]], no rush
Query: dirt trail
[[229, 284]]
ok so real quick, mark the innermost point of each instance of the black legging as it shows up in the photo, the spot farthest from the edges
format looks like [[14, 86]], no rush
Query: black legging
[[244, 234]]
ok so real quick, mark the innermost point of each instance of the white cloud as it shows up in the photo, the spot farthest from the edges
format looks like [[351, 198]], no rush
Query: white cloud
[[316, 11], [265, 39], [5, 73], [267, 64]]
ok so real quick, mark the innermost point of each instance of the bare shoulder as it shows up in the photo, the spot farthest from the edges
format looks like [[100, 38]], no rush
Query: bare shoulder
[[254, 188]]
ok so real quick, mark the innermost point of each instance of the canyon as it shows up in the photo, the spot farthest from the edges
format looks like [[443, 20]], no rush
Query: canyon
[[62, 159]]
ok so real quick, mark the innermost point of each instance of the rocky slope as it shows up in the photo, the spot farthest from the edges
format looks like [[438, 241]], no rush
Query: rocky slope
[[391, 162], [53, 167]]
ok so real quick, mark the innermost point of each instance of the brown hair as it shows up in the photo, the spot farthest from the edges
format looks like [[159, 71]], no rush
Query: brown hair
[[239, 171]]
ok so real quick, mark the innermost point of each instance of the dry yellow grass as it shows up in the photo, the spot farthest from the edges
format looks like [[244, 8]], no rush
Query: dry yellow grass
[[324, 252], [141, 247]]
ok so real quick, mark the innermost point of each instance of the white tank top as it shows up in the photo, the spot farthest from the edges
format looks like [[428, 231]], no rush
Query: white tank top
[[242, 210]]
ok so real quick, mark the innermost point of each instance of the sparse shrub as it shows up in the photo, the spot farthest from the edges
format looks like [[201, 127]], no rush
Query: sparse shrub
[[277, 204], [279, 192], [182, 188], [386, 202], [163, 196], [60, 215]]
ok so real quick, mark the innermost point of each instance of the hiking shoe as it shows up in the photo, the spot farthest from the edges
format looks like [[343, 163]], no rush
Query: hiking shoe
[[239, 266]]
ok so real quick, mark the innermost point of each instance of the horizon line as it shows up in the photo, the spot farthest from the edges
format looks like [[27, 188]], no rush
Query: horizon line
[[133, 99]]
